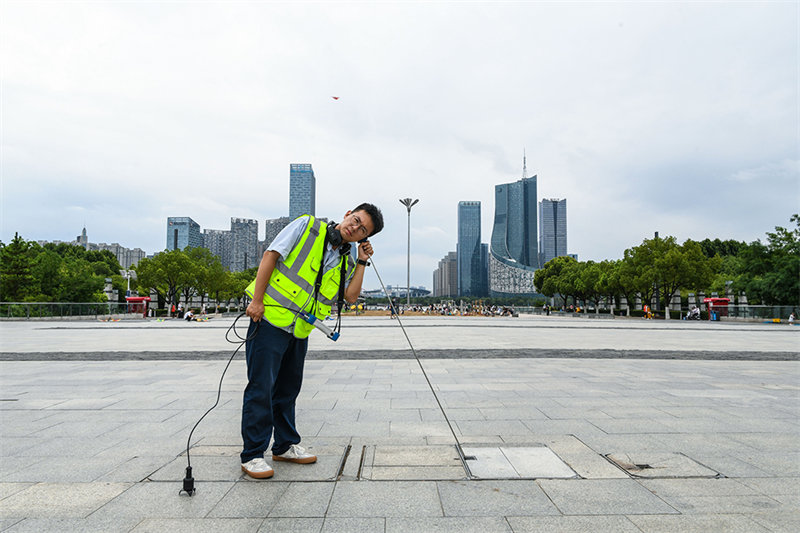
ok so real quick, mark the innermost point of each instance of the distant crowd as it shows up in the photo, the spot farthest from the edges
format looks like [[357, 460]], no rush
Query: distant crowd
[[470, 309]]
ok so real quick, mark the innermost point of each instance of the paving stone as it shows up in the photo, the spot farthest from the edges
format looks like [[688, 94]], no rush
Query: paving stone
[[63, 500], [587, 463], [537, 462], [198, 525], [773, 486], [723, 504], [204, 468], [6, 523], [161, 500], [516, 462], [489, 463], [64, 470], [447, 524], [660, 465], [421, 473], [348, 525], [733, 523], [385, 499], [697, 487], [7, 489], [87, 525], [416, 456], [783, 521], [603, 497], [493, 498], [291, 525], [303, 500], [571, 524], [249, 500]]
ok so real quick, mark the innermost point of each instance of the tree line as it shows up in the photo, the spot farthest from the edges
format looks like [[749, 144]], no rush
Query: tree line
[[61, 272], [180, 275], [769, 273]]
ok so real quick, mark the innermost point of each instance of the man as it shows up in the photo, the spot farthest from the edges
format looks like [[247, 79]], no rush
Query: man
[[301, 272]]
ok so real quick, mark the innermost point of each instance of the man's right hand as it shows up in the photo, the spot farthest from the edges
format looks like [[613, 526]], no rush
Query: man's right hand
[[255, 310]]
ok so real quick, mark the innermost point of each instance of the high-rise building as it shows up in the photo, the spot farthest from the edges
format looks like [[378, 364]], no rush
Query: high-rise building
[[484, 269], [273, 226], [83, 239], [552, 229], [514, 251], [445, 277], [244, 244], [469, 249], [302, 190], [183, 232], [220, 243]]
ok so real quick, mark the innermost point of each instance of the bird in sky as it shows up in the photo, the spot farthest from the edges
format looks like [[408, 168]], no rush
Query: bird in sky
[[335, 97]]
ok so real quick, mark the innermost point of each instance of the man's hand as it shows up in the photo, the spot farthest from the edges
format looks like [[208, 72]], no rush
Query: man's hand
[[365, 250], [255, 310]]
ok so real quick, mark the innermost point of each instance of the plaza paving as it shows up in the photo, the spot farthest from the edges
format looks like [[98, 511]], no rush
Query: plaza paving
[[699, 433]]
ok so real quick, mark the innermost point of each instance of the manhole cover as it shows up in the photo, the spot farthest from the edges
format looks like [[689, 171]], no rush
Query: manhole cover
[[660, 465], [506, 462]]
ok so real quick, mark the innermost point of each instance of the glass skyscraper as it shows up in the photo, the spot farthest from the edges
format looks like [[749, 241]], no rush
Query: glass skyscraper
[[183, 232], [514, 252], [552, 229], [302, 190], [470, 275]]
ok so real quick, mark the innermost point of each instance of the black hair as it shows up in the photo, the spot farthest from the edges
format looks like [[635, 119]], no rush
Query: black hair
[[374, 213]]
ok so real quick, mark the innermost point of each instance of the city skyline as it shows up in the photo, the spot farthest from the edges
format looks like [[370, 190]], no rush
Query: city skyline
[[693, 137]]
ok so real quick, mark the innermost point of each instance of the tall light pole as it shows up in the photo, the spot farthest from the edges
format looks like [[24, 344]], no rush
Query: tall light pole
[[409, 203]]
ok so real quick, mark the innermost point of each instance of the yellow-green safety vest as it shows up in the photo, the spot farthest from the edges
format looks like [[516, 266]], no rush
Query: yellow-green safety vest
[[291, 285]]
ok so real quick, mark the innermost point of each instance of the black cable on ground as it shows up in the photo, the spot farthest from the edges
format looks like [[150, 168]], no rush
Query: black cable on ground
[[188, 481]]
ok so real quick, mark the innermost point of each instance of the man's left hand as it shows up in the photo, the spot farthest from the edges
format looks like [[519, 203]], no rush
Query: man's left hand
[[365, 250]]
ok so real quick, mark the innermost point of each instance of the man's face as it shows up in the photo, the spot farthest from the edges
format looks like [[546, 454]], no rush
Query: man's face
[[356, 225]]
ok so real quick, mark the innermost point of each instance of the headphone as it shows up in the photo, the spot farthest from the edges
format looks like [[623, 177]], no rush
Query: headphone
[[334, 237]]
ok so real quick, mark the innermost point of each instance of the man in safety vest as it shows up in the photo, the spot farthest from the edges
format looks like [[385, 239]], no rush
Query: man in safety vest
[[307, 268]]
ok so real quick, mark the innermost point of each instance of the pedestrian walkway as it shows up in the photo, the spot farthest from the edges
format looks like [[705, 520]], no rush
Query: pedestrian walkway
[[550, 444]]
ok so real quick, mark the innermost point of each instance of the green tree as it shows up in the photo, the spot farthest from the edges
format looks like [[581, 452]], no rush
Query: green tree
[[781, 282], [79, 283], [164, 273], [587, 283], [547, 278], [47, 271], [17, 281], [207, 271], [608, 282]]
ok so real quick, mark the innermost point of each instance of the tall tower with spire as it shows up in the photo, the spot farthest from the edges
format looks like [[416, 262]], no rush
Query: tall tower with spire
[[524, 165], [82, 239]]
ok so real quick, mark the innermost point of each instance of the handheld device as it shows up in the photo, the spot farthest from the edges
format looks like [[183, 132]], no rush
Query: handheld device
[[317, 323]]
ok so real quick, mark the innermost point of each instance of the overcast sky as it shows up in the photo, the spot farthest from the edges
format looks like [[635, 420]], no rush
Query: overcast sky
[[680, 118]]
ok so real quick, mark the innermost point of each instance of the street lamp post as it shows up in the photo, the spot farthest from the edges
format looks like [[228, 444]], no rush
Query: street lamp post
[[409, 203]]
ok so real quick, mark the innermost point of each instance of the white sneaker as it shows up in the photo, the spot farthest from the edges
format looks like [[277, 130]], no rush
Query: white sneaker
[[295, 454], [258, 468]]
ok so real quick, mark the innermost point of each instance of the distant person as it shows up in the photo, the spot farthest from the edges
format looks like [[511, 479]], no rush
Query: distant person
[[791, 317], [189, 315], [172, 311]]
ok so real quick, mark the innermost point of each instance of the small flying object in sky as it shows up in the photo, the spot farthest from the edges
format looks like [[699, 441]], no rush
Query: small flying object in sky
[[335, 97]]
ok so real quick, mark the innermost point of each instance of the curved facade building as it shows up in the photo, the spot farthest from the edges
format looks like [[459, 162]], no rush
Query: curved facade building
[[514, 253]]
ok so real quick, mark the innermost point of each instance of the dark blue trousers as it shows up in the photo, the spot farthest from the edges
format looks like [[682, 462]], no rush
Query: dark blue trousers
[[275, 361]]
